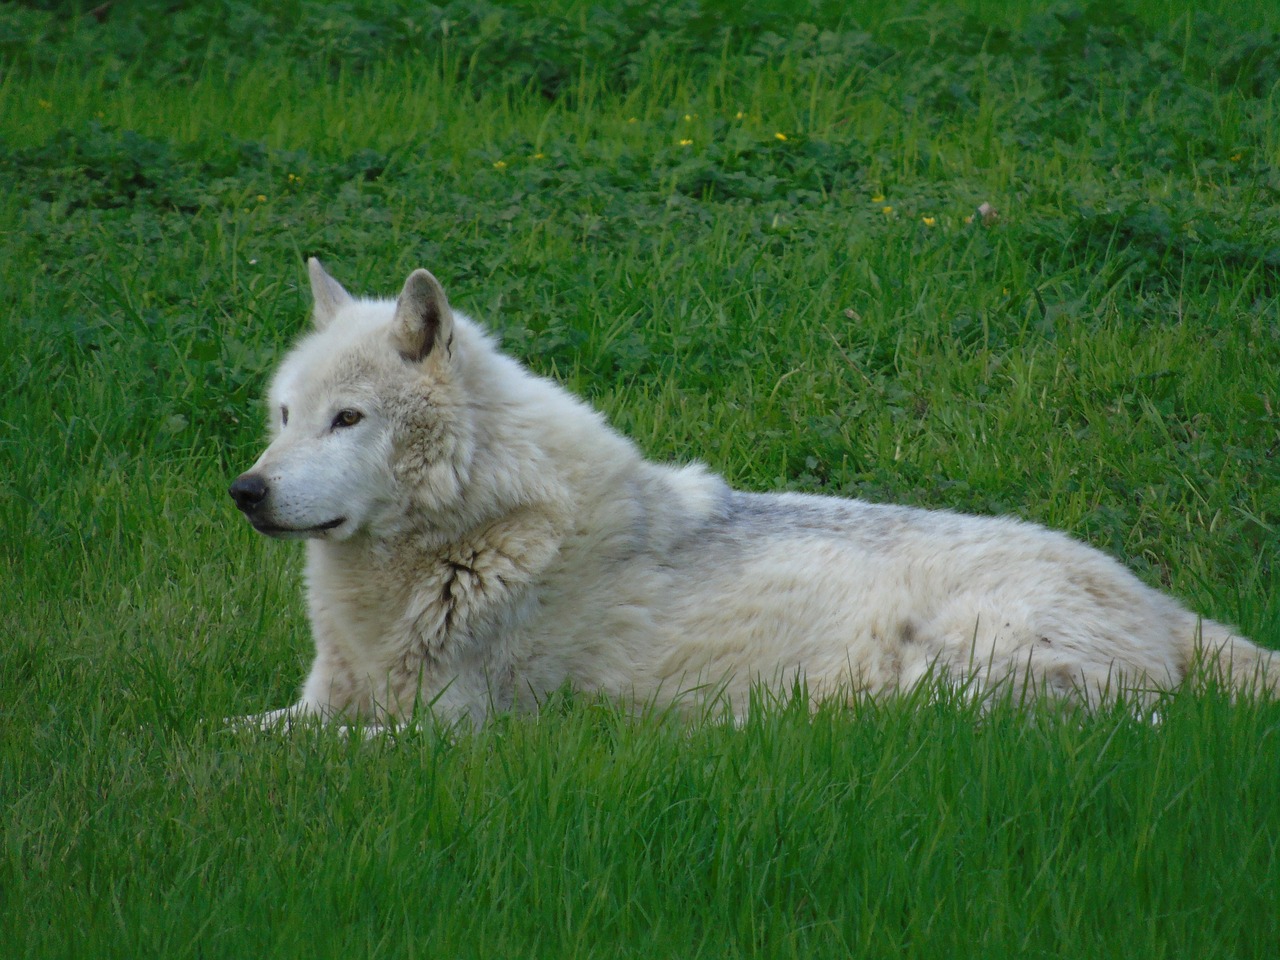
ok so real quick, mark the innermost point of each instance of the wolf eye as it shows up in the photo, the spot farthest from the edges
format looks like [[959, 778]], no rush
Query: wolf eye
[[347, 418]]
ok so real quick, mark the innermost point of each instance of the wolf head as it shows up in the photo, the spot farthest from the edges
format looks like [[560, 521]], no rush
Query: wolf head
[[370, 375]]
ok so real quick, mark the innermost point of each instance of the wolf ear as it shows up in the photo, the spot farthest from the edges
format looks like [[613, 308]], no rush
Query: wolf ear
[[327, 293], [423, 319]]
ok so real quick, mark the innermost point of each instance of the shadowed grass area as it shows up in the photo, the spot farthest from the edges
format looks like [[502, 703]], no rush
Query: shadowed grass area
[[752, 237]]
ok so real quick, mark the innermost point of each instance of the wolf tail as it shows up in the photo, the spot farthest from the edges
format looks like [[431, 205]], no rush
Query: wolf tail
[[1221, 652]]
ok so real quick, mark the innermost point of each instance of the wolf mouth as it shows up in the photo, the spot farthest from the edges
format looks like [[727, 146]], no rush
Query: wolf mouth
[[273, 531]]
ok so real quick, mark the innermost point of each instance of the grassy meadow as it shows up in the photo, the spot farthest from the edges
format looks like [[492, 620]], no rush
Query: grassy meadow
[[993, 256]]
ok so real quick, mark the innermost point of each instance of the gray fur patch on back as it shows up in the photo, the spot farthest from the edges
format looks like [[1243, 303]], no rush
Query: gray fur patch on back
[[749, 517]]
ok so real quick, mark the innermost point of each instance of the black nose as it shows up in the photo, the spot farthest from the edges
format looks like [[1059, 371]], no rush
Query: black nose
[[248, 490]]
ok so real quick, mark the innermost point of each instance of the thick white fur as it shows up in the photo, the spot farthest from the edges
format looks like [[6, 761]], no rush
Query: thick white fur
[[497, 540]]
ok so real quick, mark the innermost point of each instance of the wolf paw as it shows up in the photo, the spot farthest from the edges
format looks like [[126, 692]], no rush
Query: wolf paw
[[282, 719]]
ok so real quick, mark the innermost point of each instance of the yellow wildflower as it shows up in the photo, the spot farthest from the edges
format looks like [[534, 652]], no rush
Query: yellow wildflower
[[929, 221], [780, 136], [262, 198], [886, 210], [499, 164], [878, 198], [685, 143]]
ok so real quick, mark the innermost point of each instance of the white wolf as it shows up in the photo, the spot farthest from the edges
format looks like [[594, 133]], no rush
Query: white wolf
[[477, 538]]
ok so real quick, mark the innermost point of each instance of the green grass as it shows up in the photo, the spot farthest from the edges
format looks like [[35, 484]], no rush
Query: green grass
[[817, 311]]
